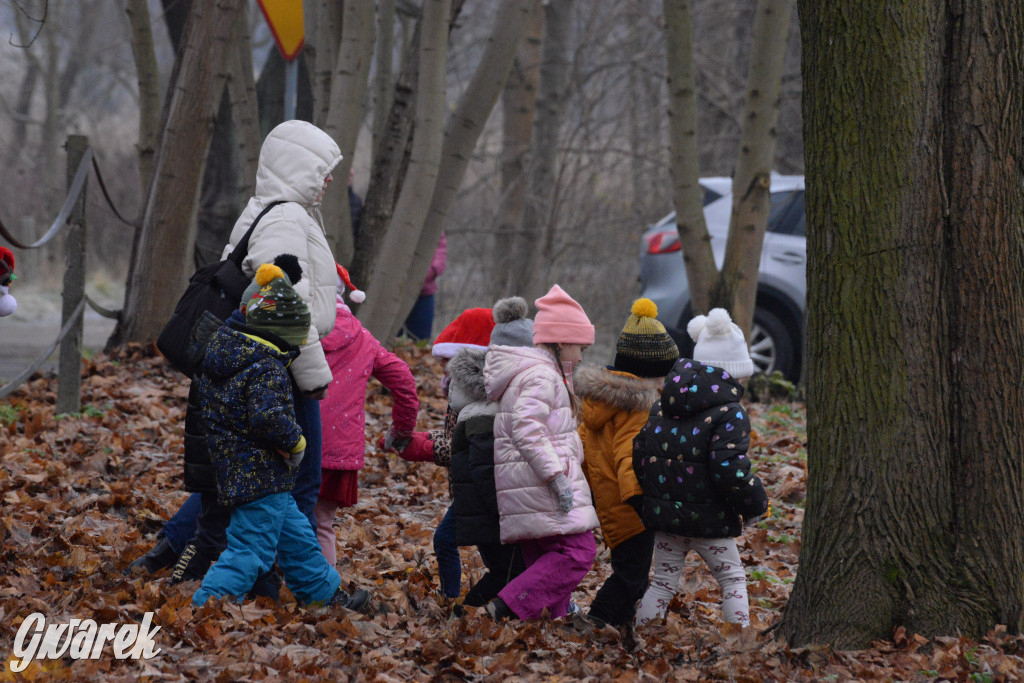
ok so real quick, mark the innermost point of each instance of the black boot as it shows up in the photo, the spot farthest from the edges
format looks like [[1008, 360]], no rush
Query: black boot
[[357, 601], [191, 566], [499, 611], [160, 557], [267, 585]]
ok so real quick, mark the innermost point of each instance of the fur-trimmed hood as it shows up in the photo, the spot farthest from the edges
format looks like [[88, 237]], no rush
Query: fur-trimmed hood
[[620, 390], [466, 370]]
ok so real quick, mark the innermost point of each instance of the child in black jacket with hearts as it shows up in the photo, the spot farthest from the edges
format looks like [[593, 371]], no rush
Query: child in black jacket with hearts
[[691, 460]]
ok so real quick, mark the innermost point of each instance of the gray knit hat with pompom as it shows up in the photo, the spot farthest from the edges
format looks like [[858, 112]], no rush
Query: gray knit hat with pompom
[[511, 326]]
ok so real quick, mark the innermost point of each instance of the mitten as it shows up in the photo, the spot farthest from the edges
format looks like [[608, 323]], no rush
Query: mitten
[[295, 458], [419, 449], [317, 394], [754, 520], [395, 440], [562, 489]]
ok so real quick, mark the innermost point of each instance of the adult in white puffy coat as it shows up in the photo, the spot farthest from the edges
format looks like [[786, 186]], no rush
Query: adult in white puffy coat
[[544, 501], [295, 167]]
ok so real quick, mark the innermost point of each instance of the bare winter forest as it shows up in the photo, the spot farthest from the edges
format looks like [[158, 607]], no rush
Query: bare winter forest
[[69, 69]]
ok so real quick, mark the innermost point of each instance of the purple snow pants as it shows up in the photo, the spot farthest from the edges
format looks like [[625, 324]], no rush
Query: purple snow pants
[[554, 567]]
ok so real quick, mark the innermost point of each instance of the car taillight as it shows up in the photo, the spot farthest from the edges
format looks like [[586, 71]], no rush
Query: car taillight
[[663, 242]]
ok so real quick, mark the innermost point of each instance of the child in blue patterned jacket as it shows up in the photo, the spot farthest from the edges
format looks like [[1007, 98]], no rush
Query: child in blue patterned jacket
[[256, 446]]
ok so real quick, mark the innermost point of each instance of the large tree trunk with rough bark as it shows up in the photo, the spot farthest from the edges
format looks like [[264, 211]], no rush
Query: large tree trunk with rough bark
[[461, 134], [736, 286], [914, 123], [533, 254], [383, 291], [163, 258]]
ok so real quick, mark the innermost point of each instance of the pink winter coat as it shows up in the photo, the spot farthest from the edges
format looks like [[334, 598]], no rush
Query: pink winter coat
[[535, 439], [354, 355], [437, 264]]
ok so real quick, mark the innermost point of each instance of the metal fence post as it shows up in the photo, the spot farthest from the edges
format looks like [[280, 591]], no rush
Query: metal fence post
[[69, 369]]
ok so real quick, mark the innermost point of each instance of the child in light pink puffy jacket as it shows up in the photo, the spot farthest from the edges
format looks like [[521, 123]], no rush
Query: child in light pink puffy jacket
[[354, 355], [544, 502]]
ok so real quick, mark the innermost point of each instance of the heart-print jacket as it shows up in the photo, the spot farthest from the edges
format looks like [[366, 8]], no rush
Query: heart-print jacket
[[691, 456]]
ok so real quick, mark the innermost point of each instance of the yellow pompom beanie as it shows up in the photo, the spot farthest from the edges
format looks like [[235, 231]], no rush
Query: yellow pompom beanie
[[644, 348]]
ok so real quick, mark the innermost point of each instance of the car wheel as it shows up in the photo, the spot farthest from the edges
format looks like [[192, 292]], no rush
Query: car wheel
[[771, 346]]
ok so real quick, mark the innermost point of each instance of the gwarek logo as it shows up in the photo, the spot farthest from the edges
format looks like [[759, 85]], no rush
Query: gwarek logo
[[81, 639]]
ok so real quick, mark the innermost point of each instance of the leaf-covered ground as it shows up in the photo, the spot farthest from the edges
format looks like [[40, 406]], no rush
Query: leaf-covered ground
[[84, 495]]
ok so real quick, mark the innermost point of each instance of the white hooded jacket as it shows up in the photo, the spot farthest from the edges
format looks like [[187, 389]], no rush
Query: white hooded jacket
[[295, 160]]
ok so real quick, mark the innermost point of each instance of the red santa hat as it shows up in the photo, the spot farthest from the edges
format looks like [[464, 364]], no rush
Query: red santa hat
[[471, 330], [8, 304], [6, 265], [357, 295]]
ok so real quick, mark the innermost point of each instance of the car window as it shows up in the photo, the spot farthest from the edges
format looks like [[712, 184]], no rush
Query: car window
[[787, 213], [709, 195]]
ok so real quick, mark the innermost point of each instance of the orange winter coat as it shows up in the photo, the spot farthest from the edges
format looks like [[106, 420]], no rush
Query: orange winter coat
[[615, 407]]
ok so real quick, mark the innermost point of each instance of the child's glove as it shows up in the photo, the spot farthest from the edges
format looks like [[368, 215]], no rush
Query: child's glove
[[395, 440], [295, 458], [419, 449], [318, 394], [562, 489], [754, 520]]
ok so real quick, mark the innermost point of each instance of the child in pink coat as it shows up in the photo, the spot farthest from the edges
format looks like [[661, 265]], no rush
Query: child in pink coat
[[354, 356], [544, 502]]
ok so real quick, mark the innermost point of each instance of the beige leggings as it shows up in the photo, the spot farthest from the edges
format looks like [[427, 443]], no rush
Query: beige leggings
[[722, 558]]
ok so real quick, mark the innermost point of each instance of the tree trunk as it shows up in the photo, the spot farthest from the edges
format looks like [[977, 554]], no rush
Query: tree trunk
[[914, 124], [245, 115], [148, 76], [385, 59], [461, 134], [323, 28], [687, 196], [530, 262], [736, 287], [162, 264], [391, 160], [345, 116], [383, 298], [270, 91], [518, 106]]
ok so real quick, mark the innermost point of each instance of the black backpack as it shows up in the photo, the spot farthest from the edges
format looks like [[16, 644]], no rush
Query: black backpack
[[216, 288]]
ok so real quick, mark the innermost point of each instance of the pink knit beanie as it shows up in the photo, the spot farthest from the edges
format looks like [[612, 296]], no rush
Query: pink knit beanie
[[560, 319]]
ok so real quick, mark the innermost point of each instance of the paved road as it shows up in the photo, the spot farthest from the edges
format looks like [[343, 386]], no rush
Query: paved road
[[23, 340]]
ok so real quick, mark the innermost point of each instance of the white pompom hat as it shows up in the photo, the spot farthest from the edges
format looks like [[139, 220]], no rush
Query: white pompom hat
[[719, 342], [356, 295]]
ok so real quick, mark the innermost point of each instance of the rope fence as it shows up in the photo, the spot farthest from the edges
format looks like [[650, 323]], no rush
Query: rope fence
[[70, 219]]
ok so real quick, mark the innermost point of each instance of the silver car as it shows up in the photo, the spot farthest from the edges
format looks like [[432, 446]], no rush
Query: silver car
[[776, 341]]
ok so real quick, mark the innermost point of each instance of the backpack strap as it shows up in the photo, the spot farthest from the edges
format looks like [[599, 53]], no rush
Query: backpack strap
[[241, 249]]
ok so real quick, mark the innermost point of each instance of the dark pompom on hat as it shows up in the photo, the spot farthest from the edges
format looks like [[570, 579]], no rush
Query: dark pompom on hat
[[289, 263]]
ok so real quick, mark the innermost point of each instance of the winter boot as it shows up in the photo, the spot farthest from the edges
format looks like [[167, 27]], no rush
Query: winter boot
[[192, 565], [160, 557], [267, 585], [499, 611], [357, 601]]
